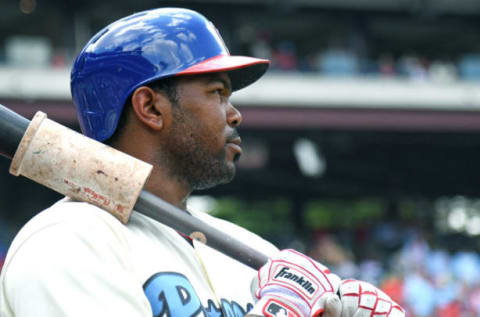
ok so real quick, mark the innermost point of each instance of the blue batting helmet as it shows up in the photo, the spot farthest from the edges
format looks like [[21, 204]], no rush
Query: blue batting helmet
[[142, 48]]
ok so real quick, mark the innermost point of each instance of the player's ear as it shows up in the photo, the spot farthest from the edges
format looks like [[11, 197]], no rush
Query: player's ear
[[152, 108]]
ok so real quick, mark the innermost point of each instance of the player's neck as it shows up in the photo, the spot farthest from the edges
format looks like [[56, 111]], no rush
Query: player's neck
[[170, 190]]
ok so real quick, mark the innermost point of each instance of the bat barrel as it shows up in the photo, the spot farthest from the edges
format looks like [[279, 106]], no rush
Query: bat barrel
[[12, 128]]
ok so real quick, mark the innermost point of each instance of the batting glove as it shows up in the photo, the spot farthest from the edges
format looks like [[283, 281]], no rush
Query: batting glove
[[292, 284], [361, 299]]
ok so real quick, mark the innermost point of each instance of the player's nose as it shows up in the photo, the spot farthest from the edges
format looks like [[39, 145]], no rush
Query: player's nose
[[234, 117]]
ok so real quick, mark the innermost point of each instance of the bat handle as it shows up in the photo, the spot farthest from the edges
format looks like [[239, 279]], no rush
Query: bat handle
[[12, 129], [158, 209]]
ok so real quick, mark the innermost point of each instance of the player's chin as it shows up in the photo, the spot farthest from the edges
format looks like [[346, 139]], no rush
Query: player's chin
[[227, 169], [228, 172], [231, 170], [223, 175]]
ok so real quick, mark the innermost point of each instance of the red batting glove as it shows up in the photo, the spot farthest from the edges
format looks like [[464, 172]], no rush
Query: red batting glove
[[361, 299], [293, 285]]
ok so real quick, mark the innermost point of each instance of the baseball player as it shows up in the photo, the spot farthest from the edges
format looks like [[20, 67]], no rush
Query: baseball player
[[156, 85]]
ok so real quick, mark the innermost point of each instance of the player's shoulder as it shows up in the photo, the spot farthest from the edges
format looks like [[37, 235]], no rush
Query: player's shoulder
[[69, 213], [66, 242], [238, 232], [65, 223]]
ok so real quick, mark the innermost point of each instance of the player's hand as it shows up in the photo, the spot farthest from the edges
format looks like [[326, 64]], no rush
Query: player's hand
[[361, 299], [292, 284]]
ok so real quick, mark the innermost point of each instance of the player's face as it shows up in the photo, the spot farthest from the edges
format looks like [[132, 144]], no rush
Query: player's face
[[204, 143]]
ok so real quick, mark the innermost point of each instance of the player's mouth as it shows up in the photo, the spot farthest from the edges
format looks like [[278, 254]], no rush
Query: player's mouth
[[235, 146]]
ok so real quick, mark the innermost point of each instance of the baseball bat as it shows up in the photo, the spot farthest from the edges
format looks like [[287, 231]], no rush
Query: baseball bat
[[15, 130]]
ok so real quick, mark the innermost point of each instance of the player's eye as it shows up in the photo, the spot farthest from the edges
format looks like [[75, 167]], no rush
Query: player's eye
[[219, 91]]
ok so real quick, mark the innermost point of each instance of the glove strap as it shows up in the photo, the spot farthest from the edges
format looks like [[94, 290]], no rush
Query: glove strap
[[273, 306]]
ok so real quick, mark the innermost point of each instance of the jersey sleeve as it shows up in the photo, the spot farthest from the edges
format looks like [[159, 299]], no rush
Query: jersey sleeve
[[78, 267]]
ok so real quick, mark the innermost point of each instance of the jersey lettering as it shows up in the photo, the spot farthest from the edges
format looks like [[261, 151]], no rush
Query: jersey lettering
[[232, 309], [171, 294]]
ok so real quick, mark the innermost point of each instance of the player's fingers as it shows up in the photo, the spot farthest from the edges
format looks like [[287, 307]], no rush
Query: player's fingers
[[349, 305], [333, 306]]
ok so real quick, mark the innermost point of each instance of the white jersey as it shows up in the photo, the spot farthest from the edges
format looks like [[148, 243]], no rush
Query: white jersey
[[75, 259]]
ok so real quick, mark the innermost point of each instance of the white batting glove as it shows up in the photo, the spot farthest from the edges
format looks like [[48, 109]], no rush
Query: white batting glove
[[294, 285], [362, 299]]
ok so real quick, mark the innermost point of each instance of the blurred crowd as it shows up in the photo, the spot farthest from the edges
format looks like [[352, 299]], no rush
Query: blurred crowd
[[428, 281], [344, 60], [348, 56]]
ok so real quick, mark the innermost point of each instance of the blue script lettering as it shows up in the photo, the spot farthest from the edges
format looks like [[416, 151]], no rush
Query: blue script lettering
[[232, 309], [172, 294]]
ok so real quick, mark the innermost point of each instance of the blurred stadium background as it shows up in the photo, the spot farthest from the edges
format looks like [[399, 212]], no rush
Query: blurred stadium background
[[361, 145]]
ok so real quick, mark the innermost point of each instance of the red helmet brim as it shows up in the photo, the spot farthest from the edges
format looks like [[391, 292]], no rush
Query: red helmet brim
[[243, 70]]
